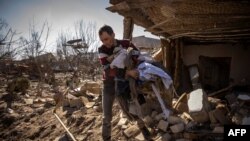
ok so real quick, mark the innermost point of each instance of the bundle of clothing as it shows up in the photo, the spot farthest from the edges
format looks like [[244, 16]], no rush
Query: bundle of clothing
[[148, 69]]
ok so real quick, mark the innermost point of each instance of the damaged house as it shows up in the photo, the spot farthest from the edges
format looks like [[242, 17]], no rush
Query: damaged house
[[208, 37], [205, 48]]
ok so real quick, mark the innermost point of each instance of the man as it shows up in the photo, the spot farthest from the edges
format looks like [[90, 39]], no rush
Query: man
[[107, 36]]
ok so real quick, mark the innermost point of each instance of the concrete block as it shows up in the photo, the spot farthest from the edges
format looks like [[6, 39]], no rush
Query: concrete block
[[28, 101], [124, 127], [177, 128], [163, 125], [164, 137], [122, 121], [174, 120], [90, 104], [131, 131], [91, 86], [140, 137], [159, 117], [198, 106]]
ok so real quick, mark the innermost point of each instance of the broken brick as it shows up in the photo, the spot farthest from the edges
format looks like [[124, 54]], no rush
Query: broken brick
[[174, 120], [177, 128], [122, 121], [131, 131], [163, 125]]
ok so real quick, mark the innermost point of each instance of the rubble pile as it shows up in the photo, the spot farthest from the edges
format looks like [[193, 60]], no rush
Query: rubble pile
[[193, 116]]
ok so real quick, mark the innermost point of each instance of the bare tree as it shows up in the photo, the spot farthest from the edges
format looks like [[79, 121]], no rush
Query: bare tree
[[35, 44], [7, 50], [87, 32], [78, 45]]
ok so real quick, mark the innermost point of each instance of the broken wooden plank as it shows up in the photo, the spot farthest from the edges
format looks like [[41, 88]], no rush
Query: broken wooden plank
[[71, 135]]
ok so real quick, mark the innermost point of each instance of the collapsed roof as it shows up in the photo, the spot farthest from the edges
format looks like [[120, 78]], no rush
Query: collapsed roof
[[195, 20]]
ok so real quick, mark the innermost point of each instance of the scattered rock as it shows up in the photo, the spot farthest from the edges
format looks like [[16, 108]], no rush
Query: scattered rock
[[163, 125], [177, 128], [174, 120], [28, 101], [90, 104], [198, 106], [140, 137], [131, 131], [122, 121]]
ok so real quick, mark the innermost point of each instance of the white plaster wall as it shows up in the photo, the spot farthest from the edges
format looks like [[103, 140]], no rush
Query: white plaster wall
[[240, 63]]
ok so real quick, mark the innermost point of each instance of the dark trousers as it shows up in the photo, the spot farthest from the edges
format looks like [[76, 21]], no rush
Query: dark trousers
[[108, 97]]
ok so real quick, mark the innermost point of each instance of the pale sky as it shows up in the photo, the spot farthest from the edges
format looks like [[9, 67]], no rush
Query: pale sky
[[61, 15]]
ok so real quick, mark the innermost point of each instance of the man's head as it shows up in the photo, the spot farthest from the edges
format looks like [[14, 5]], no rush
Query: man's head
[[107, 36]]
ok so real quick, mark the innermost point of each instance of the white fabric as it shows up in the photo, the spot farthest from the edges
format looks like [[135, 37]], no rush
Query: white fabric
[[150, 72], [163, 107], [119, 60], [145, 57], [243, 97]]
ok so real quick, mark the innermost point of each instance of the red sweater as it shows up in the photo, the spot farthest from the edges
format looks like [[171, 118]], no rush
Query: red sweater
[[104, 53]]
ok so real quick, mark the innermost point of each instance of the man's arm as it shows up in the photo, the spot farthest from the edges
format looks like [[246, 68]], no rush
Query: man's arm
[[103, 58], [132, 73]]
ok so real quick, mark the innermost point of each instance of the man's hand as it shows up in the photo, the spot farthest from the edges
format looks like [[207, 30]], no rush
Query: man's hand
[[132, 73], [111, 58]]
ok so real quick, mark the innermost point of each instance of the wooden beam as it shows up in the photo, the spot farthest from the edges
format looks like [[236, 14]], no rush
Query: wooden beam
[[128, 5], [214, 33], [222, 38], [167, 55], [177, 71], [159, 24], [138, 17], [168, 11], [220, 35], [122, 6], [128, 26], [211, 16]]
